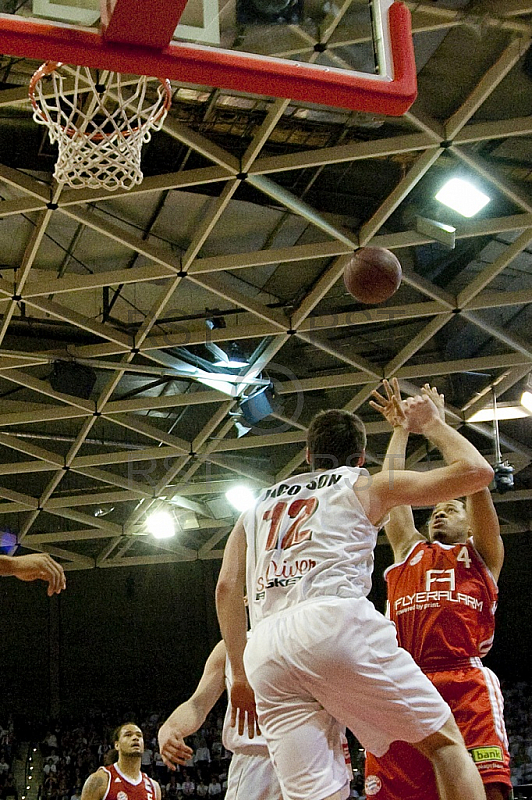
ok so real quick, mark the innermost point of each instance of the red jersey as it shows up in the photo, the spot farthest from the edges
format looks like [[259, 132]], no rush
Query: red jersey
[[121, 788], [442, 599]]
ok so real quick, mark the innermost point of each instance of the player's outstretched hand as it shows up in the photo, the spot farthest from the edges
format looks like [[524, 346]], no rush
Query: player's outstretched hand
[[419, 411], [172, 746], [437, 398], [40, 566], [390, 406], [243, 711]]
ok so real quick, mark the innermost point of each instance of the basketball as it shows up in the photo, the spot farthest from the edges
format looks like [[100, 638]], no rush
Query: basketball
[[372, 275]]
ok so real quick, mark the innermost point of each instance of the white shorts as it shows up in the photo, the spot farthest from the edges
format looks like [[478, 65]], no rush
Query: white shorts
[[252, 778], [334, 659]]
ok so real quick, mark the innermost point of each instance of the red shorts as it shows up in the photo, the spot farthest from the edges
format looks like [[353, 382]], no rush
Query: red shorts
[[475, 698]]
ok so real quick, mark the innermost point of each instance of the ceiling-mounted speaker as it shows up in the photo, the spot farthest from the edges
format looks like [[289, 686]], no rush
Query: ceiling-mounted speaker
[[69, 377], [258, 406]]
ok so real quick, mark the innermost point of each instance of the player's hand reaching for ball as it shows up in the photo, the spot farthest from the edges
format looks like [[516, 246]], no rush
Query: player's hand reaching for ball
[[389, 406], [243, 710], [420, 412], [437, 398]]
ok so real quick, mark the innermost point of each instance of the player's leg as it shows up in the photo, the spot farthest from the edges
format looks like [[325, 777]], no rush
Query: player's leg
[[303, 739], [252, 777], [456, 775], [335, 796], [401, 772], [476, 700], [496, 791]]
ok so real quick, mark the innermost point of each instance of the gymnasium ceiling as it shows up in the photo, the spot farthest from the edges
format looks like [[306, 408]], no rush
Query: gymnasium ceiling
[[126, 282]]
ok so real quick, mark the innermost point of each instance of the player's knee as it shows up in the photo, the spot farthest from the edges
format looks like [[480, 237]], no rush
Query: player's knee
[[447, 736]]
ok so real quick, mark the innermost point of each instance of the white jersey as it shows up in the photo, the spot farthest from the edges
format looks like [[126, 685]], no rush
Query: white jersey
[[231, 739], [308, 537]]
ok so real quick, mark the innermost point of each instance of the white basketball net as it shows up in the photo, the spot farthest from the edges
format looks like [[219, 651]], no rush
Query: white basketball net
[[99, 129]]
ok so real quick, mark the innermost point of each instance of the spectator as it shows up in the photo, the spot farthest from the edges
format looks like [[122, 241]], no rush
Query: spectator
[[188, 787], [215, 788], [146, 761], [9, 789]]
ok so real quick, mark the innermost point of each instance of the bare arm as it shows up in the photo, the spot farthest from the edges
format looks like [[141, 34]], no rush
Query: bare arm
[[95, 786], [233, 624], [33, 567], [157, 790], [400, 528], [484, 525], [466, 471], [190, 715]]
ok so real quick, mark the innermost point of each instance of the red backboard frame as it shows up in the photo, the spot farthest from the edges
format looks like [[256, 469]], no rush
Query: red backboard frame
[[210, 66]]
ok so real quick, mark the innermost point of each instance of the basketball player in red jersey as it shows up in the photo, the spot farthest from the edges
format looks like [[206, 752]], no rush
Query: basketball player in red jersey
[[123, 780], [442, 595]]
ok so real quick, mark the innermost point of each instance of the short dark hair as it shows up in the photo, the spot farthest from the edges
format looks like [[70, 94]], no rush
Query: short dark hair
[[118, 731], [335, 438]]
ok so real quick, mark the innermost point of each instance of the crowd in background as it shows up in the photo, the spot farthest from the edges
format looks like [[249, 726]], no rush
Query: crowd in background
[[8, 752], [72, 750], [518, 715]]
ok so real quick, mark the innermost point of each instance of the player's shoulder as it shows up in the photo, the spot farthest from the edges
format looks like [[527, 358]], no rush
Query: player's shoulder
[[97, 783]]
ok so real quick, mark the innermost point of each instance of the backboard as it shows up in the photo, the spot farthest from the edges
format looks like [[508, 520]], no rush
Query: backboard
[[356, 55]]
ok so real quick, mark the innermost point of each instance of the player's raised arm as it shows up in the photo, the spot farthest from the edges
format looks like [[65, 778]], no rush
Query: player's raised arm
[[400, 528], [34, 567], [190, 715], [485, 530], [466, 470], [233, 625]]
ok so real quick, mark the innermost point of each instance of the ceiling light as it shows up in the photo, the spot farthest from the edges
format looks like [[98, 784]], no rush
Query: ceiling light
[[526, 400], [510, 411], [240, 497], [102, 511], [234, 359], [161, 525], [241, 429], [462, 196], [231, 363]]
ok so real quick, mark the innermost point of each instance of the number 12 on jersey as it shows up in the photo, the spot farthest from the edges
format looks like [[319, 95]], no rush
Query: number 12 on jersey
[[300, 511]]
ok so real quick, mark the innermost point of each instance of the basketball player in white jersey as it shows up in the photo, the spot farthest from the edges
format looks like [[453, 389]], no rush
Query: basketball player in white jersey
[[123, 780], [318, 650], [251, 775]]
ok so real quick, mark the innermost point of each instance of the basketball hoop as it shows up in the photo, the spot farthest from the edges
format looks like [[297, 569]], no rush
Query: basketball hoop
[[99, 128]]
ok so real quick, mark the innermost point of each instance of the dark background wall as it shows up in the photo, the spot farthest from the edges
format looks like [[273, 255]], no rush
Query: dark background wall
[[140, 635], [137, 636]]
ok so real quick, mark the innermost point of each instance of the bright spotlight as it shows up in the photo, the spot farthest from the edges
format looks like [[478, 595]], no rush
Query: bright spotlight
[[161, 525], [463, 197], [240, 497], [526, 400]]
